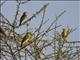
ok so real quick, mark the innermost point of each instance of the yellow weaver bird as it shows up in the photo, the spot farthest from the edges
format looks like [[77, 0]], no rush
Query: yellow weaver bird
[[65, 33], [26, 39], [2, 31], [23, 17]]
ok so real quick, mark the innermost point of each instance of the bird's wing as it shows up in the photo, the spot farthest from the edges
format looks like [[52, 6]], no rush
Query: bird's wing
[[2, 31], [21, 20], [23, 40]]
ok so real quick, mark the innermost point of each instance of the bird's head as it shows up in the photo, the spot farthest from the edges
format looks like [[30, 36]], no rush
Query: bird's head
[[25, 13], [29, 34], [65, 29]]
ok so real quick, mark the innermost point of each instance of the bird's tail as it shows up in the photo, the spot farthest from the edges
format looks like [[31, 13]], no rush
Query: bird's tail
[[19, 23], [21, 45], [65, 40]]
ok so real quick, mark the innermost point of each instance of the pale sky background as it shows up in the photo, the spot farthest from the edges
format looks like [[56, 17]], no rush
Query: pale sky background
[[70, 18]]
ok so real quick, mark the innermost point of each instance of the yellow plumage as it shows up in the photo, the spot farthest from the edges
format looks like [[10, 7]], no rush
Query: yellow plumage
[[23, 17], [65, 34], [26, 39]]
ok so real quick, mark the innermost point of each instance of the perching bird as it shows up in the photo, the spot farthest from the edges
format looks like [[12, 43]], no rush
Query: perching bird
[[2, 31], [26, 39], [65, 33], [23, 17]]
